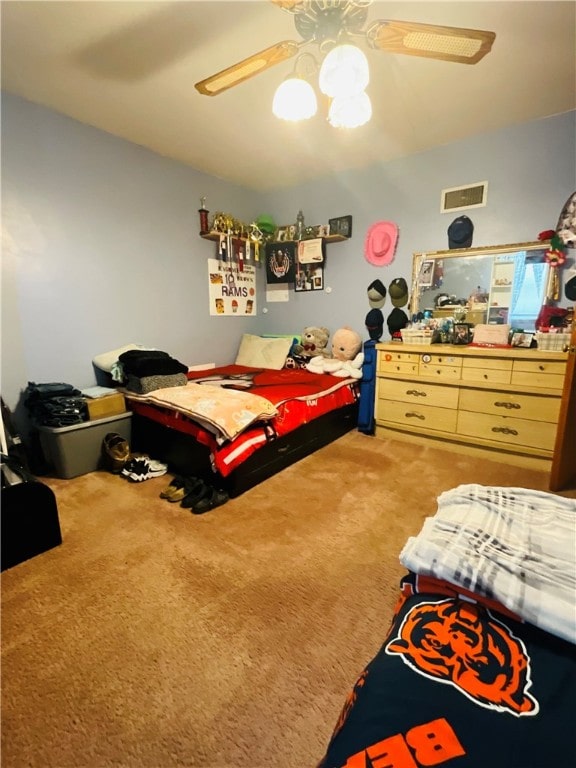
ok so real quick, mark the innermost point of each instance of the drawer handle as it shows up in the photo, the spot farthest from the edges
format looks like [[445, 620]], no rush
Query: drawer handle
[[542, 367], [413, 415], [507, 405], [505, 430], [416, 393]]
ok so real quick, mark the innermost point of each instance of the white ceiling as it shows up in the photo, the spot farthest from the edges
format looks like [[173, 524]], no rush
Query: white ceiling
[[129, 68]]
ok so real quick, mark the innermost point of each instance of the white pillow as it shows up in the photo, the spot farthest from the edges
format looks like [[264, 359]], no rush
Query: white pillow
[[259, 352], [107, 360]]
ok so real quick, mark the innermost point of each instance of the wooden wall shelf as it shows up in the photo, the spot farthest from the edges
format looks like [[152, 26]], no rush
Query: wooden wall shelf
[[215, 236]]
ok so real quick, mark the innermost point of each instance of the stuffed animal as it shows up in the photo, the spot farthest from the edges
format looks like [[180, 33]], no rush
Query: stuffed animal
[[346, 344], [314, 343], [347, 356]]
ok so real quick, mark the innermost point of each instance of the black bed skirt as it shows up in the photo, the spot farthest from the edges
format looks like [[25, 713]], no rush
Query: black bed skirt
[[186, 456]]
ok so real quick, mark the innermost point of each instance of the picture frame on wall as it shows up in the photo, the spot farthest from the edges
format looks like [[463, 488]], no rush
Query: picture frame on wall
[[341, 225], [309, 277]]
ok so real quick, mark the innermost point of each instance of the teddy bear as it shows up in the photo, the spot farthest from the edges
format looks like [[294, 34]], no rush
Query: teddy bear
[[314, 343], [347, 356]]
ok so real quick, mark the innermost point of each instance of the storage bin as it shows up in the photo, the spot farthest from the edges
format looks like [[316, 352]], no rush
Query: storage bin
[[416, 335], [77, 450], [554, 342]]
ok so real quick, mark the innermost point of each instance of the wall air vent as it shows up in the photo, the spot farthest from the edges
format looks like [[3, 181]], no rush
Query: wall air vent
[[463, 198]]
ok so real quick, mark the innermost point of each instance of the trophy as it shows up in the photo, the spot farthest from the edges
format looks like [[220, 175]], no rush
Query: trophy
[[203, 216]]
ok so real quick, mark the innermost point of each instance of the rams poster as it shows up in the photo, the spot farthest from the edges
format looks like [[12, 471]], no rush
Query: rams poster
[[232, 288]]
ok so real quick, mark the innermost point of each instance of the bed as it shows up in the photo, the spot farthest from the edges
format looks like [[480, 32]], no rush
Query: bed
[[478, 667], [237, 425]]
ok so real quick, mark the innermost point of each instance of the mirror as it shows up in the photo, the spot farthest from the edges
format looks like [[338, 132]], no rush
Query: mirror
[[505, 284]]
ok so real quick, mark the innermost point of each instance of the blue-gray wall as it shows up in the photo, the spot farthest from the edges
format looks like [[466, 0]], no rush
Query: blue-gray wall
[[101, 248]]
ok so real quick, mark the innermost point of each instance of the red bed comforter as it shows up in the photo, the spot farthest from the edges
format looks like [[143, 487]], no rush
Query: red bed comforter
[[298, 395]]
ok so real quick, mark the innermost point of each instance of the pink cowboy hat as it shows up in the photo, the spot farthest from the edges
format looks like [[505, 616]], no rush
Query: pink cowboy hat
[[380, 243]]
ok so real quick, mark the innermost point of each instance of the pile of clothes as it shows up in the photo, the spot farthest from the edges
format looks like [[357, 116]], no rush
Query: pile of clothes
[[144, 370], [55, 404]]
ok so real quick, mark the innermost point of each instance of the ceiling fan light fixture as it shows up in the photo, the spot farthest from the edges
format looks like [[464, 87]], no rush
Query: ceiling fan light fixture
[[294, 100], [350, 111], [344, 71]]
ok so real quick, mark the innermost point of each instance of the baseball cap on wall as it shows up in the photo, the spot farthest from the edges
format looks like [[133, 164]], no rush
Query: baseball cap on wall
[[460, 233], [376, 294], [398, 290], [375, 324], [570, 289]]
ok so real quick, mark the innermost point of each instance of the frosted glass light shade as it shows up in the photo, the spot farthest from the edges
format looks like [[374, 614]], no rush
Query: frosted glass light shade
[[294, 100], [350, 111], [344, 71]]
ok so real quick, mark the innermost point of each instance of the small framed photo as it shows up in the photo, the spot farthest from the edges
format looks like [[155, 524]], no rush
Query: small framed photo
[[426, 276], [341, 226], [309, 277], [281, 234], [324, 230], [522, 339], [462, 333]]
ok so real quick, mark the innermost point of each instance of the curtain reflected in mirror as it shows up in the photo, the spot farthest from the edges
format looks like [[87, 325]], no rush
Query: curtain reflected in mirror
[[528, 289]]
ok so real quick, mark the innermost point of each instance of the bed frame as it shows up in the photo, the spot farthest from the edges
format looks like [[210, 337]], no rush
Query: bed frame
[[186, 456]]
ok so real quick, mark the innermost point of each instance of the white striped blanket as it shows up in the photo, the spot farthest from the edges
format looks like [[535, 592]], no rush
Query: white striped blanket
[[514, 545]]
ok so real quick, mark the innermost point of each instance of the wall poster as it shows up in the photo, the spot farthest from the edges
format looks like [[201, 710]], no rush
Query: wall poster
[[232, 288]]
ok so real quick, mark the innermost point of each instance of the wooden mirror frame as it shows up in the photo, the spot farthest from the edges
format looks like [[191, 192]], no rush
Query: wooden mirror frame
[[494, 250]]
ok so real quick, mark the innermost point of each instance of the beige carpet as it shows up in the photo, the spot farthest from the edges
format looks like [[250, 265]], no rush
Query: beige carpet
[[155, 638]]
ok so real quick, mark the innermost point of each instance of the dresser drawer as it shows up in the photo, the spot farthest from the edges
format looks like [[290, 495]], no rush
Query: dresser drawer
[[417, 392], [486, 369], [534, 407], [416, 416], [503, 429], [402, 365], [439, 358], [539, 373], [440, 371]]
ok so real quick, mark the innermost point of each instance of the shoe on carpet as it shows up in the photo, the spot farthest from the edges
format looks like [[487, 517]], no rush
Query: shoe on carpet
[[143, 468], [136, 463], [197, 491], [216, 498], [115, 452], [179, 488]]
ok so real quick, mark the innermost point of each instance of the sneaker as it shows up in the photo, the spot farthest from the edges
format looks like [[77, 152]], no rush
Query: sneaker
[[135, 464], [115, 452], [147, 469]]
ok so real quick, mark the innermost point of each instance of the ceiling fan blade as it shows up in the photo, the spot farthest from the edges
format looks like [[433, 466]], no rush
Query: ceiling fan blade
[[247, 68], [465, 46]]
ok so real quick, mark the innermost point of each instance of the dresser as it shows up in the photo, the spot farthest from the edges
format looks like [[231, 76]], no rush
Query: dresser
[[502, 404]]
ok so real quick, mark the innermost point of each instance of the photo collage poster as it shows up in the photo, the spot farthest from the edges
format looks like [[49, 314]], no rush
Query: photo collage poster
[[232, 288]]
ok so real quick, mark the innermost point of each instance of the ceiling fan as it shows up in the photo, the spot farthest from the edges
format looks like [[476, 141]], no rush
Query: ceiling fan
[[328, 22]]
